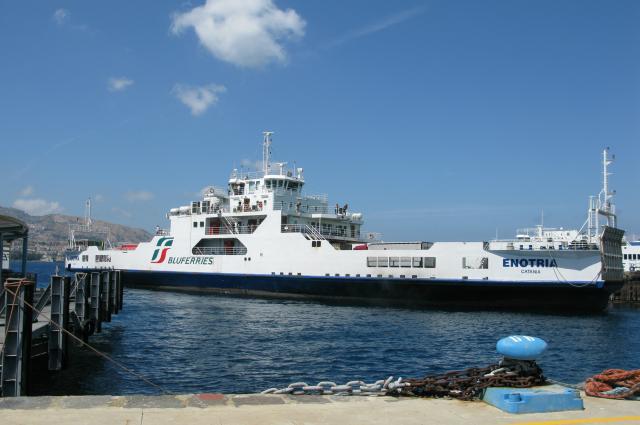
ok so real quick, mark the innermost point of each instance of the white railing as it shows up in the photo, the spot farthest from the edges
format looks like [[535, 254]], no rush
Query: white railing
[[318, 233], [526, 246], [229, 230], [219, 250], [248, 208], [314, 232], [302, 208]]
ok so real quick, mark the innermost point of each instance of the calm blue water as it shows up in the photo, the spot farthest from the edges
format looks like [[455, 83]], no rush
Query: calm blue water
[[205, 343]]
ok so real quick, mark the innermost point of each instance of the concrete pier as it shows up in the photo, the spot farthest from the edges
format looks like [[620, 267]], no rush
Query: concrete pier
[[26, 333], [250, 409]]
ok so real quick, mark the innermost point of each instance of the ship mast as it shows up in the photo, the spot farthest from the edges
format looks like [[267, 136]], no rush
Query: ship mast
[[602, 204], [266, 152], [606, 207], [87, 213]]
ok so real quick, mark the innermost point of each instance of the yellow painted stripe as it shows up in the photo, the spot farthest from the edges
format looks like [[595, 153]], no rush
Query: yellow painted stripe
[[582, 421]]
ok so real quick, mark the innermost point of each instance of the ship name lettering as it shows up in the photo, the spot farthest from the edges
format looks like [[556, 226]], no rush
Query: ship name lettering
[[529, 262], [207, 261]]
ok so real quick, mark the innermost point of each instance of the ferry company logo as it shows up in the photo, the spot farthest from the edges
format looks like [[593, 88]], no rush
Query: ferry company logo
[[160, 254]]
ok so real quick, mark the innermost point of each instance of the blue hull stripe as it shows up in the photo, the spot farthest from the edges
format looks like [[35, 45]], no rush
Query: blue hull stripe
[[431, 292]]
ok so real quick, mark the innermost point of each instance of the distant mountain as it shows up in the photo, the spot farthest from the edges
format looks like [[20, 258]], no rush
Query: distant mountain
[[49, 234]]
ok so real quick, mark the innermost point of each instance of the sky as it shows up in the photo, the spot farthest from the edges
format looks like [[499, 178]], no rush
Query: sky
[[438, 120]]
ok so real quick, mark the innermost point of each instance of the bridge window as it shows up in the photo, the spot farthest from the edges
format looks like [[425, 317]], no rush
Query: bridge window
[[405, 261], [625, 256], [383, 261], [417, 262], [430, 262], [372, 261], [475, 262], [195, 224], [394, 261]]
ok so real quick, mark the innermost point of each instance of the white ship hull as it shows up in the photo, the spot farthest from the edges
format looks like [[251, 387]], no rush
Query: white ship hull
[[281, 263], [261, 236]]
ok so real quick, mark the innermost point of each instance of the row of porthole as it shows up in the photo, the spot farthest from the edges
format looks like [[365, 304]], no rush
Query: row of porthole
[[349, 275], [368, 275]]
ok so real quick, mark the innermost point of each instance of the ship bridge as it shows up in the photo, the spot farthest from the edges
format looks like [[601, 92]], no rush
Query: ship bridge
[[277, 189]]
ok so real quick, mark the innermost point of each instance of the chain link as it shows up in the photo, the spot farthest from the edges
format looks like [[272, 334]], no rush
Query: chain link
[[361, 388], [467, 384]]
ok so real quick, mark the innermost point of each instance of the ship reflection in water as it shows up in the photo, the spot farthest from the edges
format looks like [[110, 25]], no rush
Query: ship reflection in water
[[203, 343]]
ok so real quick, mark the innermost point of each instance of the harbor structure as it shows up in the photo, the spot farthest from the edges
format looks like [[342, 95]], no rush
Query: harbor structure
[[262, 236], [40, 323]]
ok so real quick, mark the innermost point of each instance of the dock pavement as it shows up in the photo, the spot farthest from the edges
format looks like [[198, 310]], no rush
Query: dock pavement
[[196, 409]]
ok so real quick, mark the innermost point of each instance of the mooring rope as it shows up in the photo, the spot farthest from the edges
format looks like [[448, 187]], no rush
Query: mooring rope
[[98, 352]]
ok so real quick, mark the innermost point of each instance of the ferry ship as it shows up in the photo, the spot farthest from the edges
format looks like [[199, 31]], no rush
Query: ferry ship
[[263, 236], [631, 256]]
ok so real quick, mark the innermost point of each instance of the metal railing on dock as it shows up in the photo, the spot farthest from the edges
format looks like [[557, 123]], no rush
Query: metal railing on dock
[[53, 318]]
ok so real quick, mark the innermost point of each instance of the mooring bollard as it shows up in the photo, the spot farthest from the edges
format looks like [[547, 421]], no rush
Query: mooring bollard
[[60, 287], [16, 353]]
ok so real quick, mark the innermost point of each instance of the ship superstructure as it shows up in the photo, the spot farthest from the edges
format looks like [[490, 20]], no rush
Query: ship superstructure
[[263, 236], [631, 256]]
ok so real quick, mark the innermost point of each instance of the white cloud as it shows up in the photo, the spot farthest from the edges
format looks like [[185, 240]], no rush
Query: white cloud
[[138, 196], [37, 206], [27, 191], [198, 98], [383, 24], [98, 197], [122, 212], [119, 84], [247, 33], [61, 16]]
